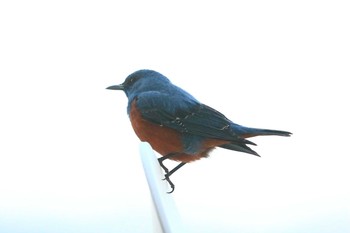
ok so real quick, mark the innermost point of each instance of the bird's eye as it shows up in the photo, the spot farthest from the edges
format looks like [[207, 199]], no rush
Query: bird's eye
[[131, 81]]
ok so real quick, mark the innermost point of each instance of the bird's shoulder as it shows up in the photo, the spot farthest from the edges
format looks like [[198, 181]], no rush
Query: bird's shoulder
[[173, 103]]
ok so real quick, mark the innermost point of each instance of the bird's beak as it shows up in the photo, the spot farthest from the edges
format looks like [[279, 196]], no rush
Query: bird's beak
[[116, 87]]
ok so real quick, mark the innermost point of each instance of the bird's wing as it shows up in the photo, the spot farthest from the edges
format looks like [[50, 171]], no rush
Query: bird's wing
[[187, 116]]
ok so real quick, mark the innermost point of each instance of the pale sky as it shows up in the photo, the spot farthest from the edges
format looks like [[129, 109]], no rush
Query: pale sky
[[69, 158]]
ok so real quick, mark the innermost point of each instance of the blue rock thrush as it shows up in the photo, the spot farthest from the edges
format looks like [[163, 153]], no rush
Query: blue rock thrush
[[177, 125]]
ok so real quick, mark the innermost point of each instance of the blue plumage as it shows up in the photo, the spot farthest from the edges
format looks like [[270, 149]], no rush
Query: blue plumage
[[177, 125], [165, 104]]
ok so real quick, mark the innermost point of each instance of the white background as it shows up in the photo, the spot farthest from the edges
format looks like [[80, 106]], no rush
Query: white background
[[69, 158]]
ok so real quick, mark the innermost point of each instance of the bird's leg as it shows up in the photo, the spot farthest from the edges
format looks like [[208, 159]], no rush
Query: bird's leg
[[168, 174], [175, 169], [161, 159], [166, 170]]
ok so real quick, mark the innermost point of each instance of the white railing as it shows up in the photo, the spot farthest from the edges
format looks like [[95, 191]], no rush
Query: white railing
[[167, 217]]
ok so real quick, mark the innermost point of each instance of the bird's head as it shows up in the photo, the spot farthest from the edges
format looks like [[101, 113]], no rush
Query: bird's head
[[142, 81]]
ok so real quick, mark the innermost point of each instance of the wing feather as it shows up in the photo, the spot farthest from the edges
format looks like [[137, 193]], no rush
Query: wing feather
[[187, 116]]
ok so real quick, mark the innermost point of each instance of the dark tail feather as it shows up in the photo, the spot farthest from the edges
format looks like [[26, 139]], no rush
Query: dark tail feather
[[246, 132], [262, 132], [242, 148]]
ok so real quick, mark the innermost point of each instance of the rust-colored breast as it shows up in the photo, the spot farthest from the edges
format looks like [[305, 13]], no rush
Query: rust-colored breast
[[162, 139]]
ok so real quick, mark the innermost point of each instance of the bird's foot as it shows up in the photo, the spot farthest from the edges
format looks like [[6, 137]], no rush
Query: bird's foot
[[172, 186], [168, 174], [166, 170]]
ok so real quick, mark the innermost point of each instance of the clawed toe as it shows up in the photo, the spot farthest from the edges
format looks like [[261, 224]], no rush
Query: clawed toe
[[167, 172], [172, 186]]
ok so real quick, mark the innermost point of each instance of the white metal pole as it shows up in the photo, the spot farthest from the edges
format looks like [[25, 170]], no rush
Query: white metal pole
[[167, 215]]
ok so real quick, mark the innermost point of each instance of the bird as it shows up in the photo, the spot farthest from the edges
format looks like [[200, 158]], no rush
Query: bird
[[177, 125]]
